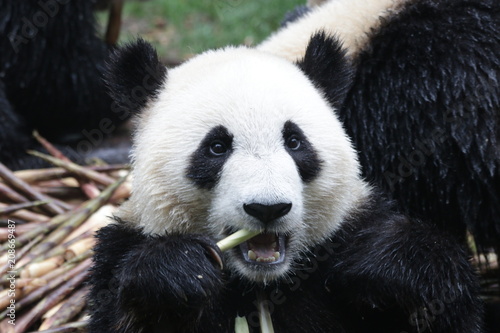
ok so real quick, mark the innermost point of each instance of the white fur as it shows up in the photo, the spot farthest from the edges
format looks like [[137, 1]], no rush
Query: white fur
[[351, 20], [252, 94]]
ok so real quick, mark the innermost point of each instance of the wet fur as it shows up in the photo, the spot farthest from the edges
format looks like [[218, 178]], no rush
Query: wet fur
[[52, 79], [353, 263]]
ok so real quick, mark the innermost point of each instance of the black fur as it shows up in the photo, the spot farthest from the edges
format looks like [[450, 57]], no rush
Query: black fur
[[135, 76], [423, 112], [51, 64], [14, 137], [379, 273], [138, 286], [325, 63], [205, 167], [305, 157]]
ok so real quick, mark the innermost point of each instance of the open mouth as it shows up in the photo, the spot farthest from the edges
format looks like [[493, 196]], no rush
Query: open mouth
[[264, 249]]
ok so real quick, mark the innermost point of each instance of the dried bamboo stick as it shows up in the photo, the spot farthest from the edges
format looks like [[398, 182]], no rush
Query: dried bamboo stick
[[37, 283], [90, 190], [91, 206], [38, 175], [75, 168], [5, 298], [41, 229], [44, 280], [21, 283], [38, 293], [68, 181], [48, 146], [8, 193], [96, 221], [74, 327], [19, 255], [67, 266], [69, 310], [79, 247], [121, 192], [52, 311], [49, 301], [60, 191], [27, 190], [61, 248], [20, 229], [15, 207], [26, 215], [41, 268]]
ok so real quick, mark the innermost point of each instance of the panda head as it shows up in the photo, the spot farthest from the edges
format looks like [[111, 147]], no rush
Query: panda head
[[240, 139]]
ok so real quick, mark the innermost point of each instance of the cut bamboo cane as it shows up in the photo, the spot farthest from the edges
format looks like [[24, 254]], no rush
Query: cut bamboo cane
[[235, 239], [82, 172], [26, 215], [74, 327], [38, 269], [69, 310], [52, 311], [50, 300], [66, 267], [96, 221], [12, 208], [20, 229], [61, 248], [90, 190], [42, 291], [75, 168], [19, 255], [27, 190], [44, 280], [38, 175], [8, 193], [56, 236], [64, 192], [79, 247], [40, 230]]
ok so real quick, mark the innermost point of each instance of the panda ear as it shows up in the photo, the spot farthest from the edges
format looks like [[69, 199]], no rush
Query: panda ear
[[327, 66], [134, 75]]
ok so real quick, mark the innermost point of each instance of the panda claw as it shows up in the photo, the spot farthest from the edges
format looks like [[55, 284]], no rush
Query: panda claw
[[215, 255]]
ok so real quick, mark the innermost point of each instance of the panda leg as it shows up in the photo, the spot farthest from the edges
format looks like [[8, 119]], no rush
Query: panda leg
[[404, 276], [141, 282]]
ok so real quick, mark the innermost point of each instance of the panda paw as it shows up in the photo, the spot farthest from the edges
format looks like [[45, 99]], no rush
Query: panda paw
[[172, 273]]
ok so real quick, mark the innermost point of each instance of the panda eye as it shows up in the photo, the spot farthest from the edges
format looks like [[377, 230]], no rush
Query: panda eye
[[218, 148], [293, 143]]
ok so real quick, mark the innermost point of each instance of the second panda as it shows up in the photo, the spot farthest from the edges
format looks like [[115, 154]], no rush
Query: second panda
[[240, 139]]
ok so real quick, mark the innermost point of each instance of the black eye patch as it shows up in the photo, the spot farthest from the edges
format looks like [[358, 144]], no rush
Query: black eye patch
[[302, 151], [209, 158]]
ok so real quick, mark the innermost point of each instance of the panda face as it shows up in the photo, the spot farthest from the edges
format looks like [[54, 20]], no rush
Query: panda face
[[238, 139], [256, 181]]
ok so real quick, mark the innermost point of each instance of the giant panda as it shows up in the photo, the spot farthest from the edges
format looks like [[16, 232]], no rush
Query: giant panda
[[238, 138], [423, 109], [51, 67]]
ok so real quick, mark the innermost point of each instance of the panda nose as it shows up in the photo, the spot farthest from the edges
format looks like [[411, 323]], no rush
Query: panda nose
[[267, 213]]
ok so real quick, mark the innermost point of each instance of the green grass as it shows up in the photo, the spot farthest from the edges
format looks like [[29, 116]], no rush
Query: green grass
[[181, 28]]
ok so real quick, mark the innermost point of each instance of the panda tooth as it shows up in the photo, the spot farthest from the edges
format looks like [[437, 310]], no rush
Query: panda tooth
[[252, 255], [276, 255]]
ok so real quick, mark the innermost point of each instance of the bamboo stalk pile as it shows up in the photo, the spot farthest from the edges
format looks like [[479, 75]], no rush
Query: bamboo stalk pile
[[48, 218]]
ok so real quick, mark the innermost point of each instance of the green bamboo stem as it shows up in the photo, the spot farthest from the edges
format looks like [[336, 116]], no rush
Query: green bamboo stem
[[235, 239]]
